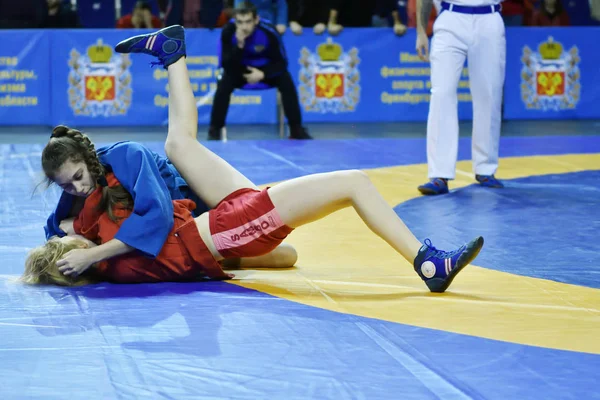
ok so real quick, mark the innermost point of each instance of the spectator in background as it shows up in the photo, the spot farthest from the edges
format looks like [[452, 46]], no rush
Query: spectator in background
[[191, 13], [162, 9], [386, 10], [308, 13], [333, 27], [350, 13], [513, 12], [174, 12], [595, 9], [141, 18], [226, 13], [252, 53], [60, 15], [22, 14], [206, 13], [275, 11], [550, 13], [530, 7]]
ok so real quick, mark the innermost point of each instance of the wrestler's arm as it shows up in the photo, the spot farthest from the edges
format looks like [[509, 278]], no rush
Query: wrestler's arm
[[146, 229], [86, 227], [68, 206], [151, 220], [64, 209], [97, 253], [112, 248], [66, 225]]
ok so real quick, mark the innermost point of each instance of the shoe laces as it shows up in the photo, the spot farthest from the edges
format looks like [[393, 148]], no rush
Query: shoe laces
[[432, 251]]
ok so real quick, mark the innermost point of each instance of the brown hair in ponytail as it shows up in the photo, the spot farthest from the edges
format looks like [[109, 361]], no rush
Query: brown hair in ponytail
[[68, 144]]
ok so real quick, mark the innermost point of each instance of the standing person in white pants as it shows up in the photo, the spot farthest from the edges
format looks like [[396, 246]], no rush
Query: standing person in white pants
[[471, 29]]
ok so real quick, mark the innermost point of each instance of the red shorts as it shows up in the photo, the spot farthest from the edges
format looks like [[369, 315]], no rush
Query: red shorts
[[246, 224]]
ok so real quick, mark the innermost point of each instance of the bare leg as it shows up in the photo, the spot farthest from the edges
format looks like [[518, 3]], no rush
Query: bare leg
[[209, 176], [298, 201], [284, 256], [301, 200], [309, 198]]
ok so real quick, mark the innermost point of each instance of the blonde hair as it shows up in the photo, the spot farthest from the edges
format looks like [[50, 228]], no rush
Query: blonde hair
[[41, 269]]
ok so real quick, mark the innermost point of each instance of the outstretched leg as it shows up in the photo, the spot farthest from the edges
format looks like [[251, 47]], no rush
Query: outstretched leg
[[309, 198], [209, 176], [306, 199], [301, 200]]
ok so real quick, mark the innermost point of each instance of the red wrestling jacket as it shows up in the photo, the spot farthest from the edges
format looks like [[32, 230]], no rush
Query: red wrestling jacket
[[183, 257]]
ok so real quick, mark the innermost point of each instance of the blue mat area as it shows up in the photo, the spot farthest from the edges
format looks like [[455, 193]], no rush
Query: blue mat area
[[541, 226], [267, 161], [218, 340]]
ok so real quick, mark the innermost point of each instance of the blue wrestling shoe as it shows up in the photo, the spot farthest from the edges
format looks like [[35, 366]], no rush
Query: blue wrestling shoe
[[434, 186], [168, 45], [438, 268], [489, 181]]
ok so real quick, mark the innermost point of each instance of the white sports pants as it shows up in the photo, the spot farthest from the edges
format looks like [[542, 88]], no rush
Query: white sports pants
[[481, 38]]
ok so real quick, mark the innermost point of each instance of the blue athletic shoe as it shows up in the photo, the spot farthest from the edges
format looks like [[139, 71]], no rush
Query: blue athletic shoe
[[489, 181], [434, 186], [168, 45], [438, 268]]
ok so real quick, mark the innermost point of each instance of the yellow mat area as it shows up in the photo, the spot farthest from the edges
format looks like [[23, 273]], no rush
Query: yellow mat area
[[343, 267]]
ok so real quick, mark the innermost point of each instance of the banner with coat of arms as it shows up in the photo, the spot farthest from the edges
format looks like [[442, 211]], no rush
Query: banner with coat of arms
[[74, 77], [551, 77], [99, 81], [329, 78], [361, 75], [93, 85], [552, 73]]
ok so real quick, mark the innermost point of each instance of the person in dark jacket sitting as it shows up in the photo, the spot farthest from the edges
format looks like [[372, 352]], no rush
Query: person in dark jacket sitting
[[252, 52]]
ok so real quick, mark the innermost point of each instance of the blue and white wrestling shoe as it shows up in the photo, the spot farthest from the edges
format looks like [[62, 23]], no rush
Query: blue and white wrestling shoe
[[434, 187], [489, 181], [168, 45], [438, 268]]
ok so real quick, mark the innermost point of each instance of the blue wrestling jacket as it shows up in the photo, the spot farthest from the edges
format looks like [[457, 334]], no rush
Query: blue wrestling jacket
[[152, 181]]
